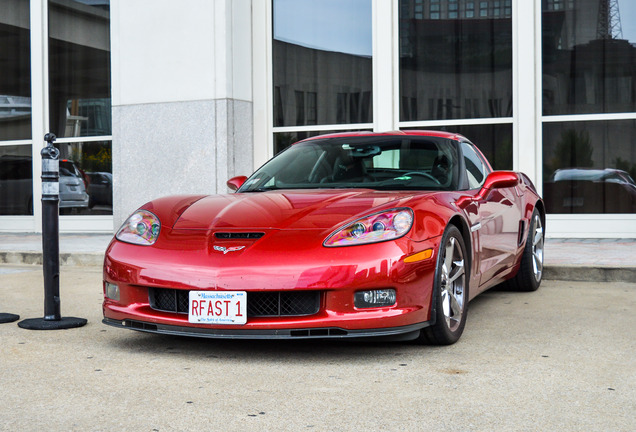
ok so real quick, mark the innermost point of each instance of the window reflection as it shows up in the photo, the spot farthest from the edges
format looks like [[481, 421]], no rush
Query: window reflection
[[15, 71], [322, 62], [16, 182], [282, 140], [455, 60], [589, 57], [494, 141], [80, 104], [589, 167], [79, 68], [86, 180]]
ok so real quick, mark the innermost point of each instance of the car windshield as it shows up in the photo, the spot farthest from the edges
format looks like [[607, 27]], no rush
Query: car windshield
[[376, 162], [68, 169]]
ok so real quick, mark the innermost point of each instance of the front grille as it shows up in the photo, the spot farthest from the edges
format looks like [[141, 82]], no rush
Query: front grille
[[168, 300], [282, 303], [259, 304]]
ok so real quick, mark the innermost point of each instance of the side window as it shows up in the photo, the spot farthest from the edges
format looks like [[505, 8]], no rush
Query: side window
[[475, 169]]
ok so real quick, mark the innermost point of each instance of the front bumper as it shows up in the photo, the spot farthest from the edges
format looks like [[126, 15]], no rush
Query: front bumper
[[187, 261], [403, 333], [79, 200]]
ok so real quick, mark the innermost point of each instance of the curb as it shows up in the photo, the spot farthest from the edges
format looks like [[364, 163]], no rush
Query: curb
[[35, 258], [590, 274]]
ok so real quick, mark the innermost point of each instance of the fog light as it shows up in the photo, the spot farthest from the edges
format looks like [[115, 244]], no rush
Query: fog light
[[374, 298], [112, 291]]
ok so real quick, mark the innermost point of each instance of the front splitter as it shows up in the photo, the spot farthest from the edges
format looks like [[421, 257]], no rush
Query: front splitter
[[403, 333]]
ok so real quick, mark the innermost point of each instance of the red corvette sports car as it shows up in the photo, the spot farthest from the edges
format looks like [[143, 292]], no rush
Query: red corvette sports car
[[339, 236]]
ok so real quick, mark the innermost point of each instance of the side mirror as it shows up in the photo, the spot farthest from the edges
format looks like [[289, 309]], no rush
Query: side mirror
[[235, 183], [499, 180]]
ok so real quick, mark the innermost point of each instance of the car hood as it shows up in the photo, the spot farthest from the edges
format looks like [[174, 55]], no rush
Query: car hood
[[289, 209]]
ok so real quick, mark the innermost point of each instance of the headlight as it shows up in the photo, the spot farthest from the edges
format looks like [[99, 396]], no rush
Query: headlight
[[377, 227], [141, 228]]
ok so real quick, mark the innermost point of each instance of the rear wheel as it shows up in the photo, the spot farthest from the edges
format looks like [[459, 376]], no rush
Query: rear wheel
[[530, 273], [450, 293]]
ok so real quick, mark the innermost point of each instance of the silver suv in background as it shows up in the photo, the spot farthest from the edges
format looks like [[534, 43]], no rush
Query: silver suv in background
[[72, 186], [16, 186]]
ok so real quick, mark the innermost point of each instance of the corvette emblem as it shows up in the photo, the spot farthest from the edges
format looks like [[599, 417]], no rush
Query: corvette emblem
[[230, 249]]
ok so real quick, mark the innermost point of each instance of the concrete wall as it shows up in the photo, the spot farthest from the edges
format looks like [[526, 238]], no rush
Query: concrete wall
[[182, 98]]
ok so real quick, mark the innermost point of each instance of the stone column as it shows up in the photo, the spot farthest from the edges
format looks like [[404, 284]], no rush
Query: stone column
[[182, 98]]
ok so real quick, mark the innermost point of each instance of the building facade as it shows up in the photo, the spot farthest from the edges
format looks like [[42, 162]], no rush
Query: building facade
[[150, 98]]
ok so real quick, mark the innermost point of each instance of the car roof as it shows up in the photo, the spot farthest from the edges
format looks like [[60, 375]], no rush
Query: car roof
[[424, 133]]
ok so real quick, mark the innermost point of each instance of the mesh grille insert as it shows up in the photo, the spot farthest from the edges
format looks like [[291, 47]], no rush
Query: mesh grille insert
[[259, 304], [283, 303]]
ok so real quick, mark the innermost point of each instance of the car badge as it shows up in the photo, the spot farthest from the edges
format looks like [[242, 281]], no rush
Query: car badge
[[230, 249]]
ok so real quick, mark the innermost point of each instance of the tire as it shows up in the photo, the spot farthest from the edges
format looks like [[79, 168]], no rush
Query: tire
[[530, 273], [450, 291]]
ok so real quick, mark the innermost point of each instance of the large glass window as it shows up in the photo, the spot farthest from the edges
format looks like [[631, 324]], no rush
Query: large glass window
[[322, 62], [494, 141], [15, 71], [459, 67], [16, 180], [589, 67], [80, 104], [589, 56], [79, 68], [589, 166], [86, 181], [282, 140]]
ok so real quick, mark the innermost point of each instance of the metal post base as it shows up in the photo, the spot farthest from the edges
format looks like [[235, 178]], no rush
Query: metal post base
[[44, 324], [7, 318]]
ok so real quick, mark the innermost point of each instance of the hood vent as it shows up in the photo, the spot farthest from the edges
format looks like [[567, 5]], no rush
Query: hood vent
[[238, 235]]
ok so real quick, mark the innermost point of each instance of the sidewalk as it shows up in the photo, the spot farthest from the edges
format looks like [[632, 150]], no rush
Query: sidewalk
[[600, 260], [75, 249]]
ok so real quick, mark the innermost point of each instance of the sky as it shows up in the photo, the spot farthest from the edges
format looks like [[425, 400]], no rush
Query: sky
[[627, 9], [346, 25], [332, 25]]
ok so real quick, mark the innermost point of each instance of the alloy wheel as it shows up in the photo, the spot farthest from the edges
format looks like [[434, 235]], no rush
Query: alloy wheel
[[452, 284], [537, 248]]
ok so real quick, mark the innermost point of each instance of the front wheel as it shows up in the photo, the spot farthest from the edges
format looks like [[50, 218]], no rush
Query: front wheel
[[450, 291]]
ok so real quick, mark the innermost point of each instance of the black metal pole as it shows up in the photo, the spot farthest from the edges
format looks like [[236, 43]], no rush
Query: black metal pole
[[51, 229], [51, 245]]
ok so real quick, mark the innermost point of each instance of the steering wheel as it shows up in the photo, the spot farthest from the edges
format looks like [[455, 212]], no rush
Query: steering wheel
[[423, 174], [321, 163]]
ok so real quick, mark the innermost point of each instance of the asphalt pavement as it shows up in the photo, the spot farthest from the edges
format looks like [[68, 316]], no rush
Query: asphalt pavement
[[561, 358]]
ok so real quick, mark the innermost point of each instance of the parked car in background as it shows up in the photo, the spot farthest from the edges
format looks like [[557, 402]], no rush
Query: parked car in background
[[340, 236], [16, 186], [100, 188], [73, 193], [588, 190]]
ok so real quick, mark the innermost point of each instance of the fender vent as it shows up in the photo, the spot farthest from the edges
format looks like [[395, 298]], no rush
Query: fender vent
[[522, 229]]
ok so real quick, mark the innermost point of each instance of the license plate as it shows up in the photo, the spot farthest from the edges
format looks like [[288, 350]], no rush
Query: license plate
[[217, 307]]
